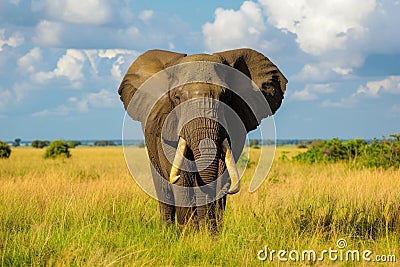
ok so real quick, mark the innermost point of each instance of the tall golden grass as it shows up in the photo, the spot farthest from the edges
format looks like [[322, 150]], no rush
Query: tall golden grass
[[87, 210]]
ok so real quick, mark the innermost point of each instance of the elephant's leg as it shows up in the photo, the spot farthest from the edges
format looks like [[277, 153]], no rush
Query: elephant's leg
[[219, 213], [165, 198], [223, 185], [184, 216], [167, 213], [185, 199]]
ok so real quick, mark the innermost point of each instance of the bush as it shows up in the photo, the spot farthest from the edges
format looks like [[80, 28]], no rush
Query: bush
[[141, 145], [244, 161], [383, 153], [104, 143], [302, 145], [73, 143], [58, 148], [5, 150], [40, 143], [254, 143]]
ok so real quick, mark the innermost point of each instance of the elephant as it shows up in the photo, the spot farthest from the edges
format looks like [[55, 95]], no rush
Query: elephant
[[195, 127]]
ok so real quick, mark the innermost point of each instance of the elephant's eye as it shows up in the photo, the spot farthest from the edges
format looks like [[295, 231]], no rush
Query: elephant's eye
[[225, 96], [268, 87], [177, 98]]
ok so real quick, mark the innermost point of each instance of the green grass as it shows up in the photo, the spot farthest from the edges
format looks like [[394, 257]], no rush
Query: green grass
[[88, 211]]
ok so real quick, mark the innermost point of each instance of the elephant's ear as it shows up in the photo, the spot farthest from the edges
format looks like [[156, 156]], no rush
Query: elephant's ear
[[145, 66], [264, 74]]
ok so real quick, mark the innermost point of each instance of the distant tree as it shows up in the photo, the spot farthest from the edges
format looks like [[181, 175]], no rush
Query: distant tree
[[73, 144], [141, 145], [254, 143], [17, 142], [269, 142], [317, 142], [5, 150], [302, 145], [40, 143], [104, 143], [57, 148], [283, 156]]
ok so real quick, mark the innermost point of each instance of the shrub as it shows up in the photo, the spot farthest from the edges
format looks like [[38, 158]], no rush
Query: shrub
[[58, 148], [283, 156], [40, 143], [383, 153], [73, 143], [5, 150], [355, 149], [104, 143], [244, 161], [254, 143], [141, 145], [302, 145]]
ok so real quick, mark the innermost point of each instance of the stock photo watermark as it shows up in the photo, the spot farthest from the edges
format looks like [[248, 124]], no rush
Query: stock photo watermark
[[340, 253]]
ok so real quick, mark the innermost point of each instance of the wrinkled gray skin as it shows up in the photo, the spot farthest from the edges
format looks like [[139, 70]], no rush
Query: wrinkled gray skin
[[256, 66]]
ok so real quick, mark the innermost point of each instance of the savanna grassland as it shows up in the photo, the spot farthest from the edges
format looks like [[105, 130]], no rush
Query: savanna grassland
[[88, 211]]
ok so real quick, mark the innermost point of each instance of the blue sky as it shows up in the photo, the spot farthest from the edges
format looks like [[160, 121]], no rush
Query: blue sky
[[61, 62]]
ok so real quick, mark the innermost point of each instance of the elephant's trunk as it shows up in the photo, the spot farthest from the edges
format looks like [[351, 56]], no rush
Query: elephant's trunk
[[204, 137]]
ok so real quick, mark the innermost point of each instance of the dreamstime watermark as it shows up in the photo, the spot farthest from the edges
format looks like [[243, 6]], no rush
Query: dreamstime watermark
[[339, 253]]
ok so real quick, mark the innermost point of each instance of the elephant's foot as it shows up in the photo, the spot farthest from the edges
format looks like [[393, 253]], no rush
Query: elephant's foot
[[167, 214]]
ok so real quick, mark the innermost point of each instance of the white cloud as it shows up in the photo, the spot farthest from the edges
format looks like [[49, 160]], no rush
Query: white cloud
[[103, 98], [304, 95], [348, 102], [15, 2], [72, 99], [95, 56], [5, 96], [389, 85], [78, 67], [100, 99], [13, 41], [320, 26], [112, 53], [116, 72], [395, 110], [383, 28], [372, 89], [93, 60], [311, 92], [47, 33], [338, 35], [69, 66], [332, 34], [27, 62], [21, 90], [234, 29], [131, 33], [146, 15], [94, 12], [313, 72], [342, 71], [61, 110]]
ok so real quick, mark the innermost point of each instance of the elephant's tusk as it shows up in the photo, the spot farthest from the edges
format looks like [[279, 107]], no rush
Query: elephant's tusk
[[231, 167], [178, 160]]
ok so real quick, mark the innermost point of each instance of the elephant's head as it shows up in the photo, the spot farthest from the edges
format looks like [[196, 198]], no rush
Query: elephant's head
[[202, 106]]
